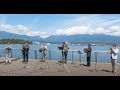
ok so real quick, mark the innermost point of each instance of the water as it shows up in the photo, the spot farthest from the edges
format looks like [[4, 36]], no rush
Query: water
[[56, 54]]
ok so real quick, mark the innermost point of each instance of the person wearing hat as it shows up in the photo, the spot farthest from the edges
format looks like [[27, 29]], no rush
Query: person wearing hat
[[113, 51], [88, 54]]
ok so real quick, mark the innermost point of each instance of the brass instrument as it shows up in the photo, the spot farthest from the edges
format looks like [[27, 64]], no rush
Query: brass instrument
[[85, 50]]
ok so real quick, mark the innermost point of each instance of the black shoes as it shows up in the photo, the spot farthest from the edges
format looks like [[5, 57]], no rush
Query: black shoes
[[65, 62], [113, 72], [88, 65], [42, 60], [62, 61], [25, 62]]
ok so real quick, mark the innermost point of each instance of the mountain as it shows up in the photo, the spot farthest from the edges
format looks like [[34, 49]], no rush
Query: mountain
[[84, 38], [79, 38], [4, 35]]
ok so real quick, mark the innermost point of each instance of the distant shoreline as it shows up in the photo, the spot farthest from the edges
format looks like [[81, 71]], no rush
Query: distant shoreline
[[60, 44]]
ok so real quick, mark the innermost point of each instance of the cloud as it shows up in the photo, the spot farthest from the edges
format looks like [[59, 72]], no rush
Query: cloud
[[91, 20], [101, 30], [113, 30], [83, 24], [110, 22], [21, 27], [80, 30], [116, 28], [74, 30], [7, 28], [22, 30], [92, 24]]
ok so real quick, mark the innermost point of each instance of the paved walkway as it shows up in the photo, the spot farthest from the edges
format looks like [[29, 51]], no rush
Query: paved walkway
[[37, 68]]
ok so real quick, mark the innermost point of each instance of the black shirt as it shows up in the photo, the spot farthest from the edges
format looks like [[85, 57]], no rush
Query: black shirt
[[25, 49]]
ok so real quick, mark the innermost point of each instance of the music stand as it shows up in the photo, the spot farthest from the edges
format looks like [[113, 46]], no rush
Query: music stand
[[26, 65], [96, 53], [60, 48], [40, 61], [62, 62], [79, 52]]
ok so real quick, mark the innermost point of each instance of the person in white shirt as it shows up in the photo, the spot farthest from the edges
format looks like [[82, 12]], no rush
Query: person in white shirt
[[8, 53], [43, 51], [113, 51]]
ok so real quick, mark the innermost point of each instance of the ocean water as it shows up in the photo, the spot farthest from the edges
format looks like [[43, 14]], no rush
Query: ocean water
[[57, 55]]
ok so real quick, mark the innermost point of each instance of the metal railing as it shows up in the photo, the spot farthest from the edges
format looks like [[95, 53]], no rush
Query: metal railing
[[79, 53]]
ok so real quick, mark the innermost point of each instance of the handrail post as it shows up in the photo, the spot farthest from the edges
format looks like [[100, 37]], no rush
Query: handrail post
[[79, 52], [49, 54], [21, 52], [11, 54], [60, 55], [80, 57], [96, 53], [35, 54], [72, 57]]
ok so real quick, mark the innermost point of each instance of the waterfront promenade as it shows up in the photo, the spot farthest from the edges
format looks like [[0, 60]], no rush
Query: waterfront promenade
[[53, 68]]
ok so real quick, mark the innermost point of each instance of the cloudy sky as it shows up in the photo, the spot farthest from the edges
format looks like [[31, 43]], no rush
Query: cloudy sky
[[45, 25]]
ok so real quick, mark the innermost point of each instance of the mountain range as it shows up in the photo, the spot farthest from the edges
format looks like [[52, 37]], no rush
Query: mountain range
[[85, 38], [79, 38], [4, 35]]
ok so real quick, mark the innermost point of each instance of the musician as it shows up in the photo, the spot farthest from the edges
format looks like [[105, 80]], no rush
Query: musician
[[8, 53], [113, 51], [25, 52], [88, 54], [43, 51], [65, 51]]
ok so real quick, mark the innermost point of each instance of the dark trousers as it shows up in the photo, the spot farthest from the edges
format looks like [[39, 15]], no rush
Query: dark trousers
[[88, 61], [25, 57], [64, 56]]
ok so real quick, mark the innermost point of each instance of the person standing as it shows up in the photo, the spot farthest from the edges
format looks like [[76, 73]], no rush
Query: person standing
[[25, 51], [8, 52], [43, 51], [113, 51], [88, 54], [65, 51]]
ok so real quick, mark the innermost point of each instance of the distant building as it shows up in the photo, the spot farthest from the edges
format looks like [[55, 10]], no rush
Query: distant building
[[48, 43], [93, 44]]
